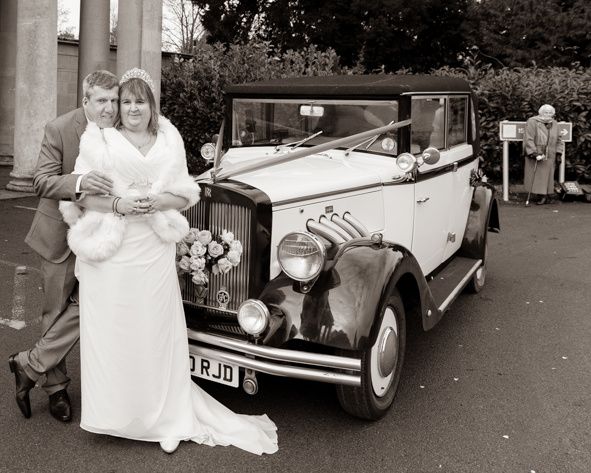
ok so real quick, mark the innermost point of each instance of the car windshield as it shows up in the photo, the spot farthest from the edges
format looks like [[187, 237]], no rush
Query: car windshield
[[295, 122]]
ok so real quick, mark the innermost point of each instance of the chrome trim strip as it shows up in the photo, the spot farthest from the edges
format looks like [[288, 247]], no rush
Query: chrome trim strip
[[302, 199], [356, 223], [453, 294], [278, 370], [279, 354]]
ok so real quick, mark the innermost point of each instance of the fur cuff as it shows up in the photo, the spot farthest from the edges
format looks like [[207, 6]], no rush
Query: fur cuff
[[169, 225], [70, 211], [96, 236]]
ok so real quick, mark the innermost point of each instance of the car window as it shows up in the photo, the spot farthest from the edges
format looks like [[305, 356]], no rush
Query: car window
[[428, 123], [456, 131], [276, 122]]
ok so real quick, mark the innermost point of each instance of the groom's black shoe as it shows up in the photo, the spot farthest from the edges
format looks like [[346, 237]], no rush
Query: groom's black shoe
[[23, 385], [59, 406]]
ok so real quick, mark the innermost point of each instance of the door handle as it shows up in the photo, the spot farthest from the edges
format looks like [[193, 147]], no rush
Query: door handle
[[423, 200]]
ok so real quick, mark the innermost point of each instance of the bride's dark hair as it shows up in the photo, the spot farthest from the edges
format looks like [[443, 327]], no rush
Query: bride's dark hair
[[140, 90]]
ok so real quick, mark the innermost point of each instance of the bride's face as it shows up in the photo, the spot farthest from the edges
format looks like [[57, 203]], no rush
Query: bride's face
[[135, 112]]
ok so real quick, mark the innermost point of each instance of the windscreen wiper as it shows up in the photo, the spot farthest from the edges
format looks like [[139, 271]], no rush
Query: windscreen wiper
[[295, 144], [370, 141]]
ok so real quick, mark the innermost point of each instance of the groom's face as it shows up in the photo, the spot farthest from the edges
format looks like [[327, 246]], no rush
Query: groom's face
[[101, 106]]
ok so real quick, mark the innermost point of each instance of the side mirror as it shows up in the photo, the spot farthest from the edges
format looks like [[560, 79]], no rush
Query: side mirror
[[431, 156]]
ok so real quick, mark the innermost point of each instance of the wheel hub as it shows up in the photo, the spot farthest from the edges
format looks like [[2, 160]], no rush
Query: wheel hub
[[388, 351], [384, 354]]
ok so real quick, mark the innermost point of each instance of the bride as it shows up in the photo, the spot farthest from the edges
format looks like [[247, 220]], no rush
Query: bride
[[134, 352]]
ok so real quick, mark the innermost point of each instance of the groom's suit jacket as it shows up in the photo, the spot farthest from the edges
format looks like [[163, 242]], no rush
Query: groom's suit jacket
[[53, 182]]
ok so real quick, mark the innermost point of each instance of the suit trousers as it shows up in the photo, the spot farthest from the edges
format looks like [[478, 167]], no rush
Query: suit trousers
[[59, 326]]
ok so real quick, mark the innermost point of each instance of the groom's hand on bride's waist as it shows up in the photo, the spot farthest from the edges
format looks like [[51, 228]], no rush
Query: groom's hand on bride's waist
[[96, 182]]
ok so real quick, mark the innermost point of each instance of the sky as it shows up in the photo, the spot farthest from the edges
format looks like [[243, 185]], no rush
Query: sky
[[73, 13]]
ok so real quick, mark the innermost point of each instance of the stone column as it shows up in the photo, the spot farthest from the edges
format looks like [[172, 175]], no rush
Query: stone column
[[7, 78], [36, 85], [139, 43], [93, 52]]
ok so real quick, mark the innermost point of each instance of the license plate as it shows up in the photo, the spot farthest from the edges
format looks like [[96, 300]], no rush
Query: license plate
[[214, 370]]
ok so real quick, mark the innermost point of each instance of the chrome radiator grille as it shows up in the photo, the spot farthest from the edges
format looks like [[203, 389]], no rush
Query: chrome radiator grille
[[216, 217]]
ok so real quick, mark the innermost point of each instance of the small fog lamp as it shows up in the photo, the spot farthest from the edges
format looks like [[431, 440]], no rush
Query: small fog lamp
[[388, 144], [406, 162], [253, 317]]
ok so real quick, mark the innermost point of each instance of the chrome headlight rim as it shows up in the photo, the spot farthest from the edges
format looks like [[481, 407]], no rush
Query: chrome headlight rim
[[207, 152], [319, 245], [263, 311], [408, 158]]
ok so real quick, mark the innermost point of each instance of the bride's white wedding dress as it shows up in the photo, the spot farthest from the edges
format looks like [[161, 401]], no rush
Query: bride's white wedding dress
[[135, 372]]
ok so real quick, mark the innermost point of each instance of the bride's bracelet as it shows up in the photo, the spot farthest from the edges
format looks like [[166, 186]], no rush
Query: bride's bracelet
[[114, 206]]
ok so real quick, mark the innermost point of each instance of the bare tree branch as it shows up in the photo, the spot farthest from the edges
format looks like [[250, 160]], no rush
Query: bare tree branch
[[181, 25]]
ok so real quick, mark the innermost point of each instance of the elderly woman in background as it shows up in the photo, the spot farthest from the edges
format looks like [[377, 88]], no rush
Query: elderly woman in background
[[542, 148]]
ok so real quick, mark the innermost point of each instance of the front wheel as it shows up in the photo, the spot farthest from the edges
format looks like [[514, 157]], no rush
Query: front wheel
[[381, 365]]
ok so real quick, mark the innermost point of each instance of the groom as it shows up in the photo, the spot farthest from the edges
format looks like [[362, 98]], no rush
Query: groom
[[53, 182]]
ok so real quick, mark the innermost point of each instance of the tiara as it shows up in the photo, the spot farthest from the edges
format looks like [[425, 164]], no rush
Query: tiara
[[137, 73]]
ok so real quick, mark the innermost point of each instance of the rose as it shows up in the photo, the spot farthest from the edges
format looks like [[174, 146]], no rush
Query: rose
[[198, 249], [199, 278], [227, 237], [223, 265], [215, 249], [233, 257], [236, 246], [197, 263], [191, 236], [182, 248], [185, 263], [204, 237]]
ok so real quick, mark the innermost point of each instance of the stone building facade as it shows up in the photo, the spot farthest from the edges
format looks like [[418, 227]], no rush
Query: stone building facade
[[41, 78]]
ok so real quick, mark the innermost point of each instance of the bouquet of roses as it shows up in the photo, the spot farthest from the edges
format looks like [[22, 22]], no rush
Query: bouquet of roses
[[200, 253]]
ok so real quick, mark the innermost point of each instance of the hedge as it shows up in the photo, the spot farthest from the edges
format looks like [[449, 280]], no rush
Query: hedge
[[192, 97], [517, 94], [192, 88]]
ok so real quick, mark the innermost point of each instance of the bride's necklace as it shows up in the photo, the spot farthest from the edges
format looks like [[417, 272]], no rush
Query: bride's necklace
[[132, 141]]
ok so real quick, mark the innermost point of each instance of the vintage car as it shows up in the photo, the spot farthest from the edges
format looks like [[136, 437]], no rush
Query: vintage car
[[359, 209]]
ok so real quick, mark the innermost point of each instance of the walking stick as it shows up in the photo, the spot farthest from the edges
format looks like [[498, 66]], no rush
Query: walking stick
[[532, 183]]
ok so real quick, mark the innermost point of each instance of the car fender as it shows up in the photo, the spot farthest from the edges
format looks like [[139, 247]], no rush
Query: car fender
[[340, 308], [483, 217]]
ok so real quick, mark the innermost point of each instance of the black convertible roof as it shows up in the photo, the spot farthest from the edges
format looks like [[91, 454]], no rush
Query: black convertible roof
[[381, 85]]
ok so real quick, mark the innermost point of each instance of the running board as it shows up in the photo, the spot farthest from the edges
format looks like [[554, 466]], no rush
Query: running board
[[447, 284]]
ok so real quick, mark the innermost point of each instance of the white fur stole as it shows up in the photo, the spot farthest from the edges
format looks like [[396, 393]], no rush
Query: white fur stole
[[96, 236]]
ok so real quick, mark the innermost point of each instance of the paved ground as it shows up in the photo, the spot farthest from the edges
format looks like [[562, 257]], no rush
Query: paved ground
[[500, 385]]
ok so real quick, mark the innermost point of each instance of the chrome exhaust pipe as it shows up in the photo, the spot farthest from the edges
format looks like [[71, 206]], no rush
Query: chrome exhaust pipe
[[325, 232]]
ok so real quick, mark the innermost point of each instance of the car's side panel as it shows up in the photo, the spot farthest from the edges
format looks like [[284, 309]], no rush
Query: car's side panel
[[433, 204], [399, 200], [293, 217], [462, 197]]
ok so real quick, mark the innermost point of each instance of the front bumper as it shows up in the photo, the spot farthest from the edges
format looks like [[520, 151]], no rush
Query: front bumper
[[277, 361]]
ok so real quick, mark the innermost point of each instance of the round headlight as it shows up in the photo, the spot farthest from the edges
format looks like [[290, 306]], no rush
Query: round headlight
[[301, 255], [253, 316], [208, 152], [406, 162]]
